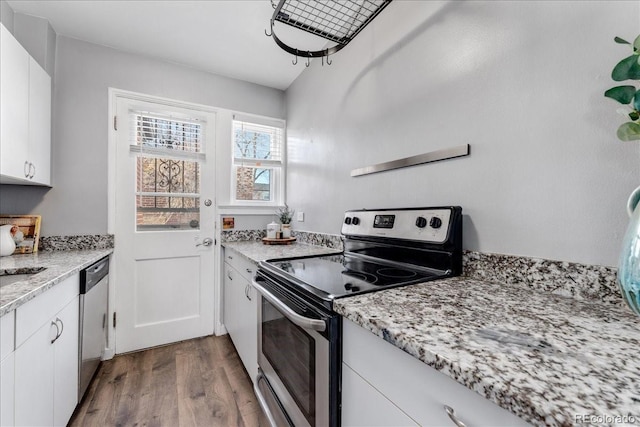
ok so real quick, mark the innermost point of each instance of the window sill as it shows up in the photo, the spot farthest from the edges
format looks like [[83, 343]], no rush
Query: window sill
[[248, 209]]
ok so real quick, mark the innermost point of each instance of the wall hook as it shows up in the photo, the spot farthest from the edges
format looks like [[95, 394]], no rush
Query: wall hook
[[308, 63], [329, 62], [296, 61], [265, 31]]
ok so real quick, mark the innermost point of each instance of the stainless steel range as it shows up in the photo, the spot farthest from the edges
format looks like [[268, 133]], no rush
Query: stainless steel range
[[300, 344]]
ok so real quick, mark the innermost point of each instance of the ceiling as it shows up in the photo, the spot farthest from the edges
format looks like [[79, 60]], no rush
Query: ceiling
[[222, 37]]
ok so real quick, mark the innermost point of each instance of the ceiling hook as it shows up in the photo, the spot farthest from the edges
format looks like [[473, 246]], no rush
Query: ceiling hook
[[308, 63], [323, 60], [296, 61], [329, 62]]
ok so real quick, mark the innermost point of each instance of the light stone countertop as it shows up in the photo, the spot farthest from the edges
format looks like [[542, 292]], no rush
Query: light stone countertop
[[256, 251], [59, 265], [544, 357]]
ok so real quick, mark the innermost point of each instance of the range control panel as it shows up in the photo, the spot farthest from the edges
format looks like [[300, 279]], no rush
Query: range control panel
[[427, 225]]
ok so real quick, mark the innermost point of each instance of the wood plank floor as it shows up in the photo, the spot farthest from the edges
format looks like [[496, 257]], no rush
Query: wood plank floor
[[199, 382]]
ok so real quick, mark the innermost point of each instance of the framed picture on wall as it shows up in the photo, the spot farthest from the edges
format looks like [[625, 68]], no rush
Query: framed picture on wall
[[228, 223], [26, 231]]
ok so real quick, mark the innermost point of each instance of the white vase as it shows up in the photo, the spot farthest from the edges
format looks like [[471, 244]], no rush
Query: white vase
[[286, 231], [7, 245], [629, 264]]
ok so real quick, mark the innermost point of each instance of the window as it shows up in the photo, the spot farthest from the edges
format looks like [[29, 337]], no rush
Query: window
[[257, 170], [168, 155]]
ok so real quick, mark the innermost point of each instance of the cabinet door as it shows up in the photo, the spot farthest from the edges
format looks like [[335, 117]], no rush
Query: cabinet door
[[7, 369], [247, 343], [241, 318], [65, 373], [363, 405], [14, 106], [231, 315], [34, 378], [39, 123]]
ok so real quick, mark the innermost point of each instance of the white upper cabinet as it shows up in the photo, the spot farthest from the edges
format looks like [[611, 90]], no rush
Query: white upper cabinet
[[39, 123], [25, 116], [14, 105]]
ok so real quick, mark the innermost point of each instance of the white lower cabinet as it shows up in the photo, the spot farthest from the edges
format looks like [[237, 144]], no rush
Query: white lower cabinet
[[7, 368], [65, 365], [364, 406], [34, 379], [403, 385], [241, 310], [46, 357]]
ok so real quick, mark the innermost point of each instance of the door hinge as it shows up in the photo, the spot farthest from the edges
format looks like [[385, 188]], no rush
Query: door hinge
[[115, 122], [114, 319]]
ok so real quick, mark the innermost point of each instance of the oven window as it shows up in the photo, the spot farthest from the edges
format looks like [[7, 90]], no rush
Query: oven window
[[291, 353]]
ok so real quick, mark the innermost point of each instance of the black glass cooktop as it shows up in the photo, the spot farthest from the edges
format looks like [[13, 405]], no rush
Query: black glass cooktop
[[342, 275]]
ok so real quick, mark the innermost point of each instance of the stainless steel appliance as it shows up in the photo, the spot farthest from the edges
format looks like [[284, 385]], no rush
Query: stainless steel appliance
[[300, 344], [94, 285]]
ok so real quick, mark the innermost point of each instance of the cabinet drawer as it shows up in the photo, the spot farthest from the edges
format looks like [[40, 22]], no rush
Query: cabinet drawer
[[7, 335], [416, 388], [245, 267], [35, 313]]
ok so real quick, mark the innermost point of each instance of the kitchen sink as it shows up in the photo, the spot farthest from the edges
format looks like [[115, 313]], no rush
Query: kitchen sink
[[8, 277]]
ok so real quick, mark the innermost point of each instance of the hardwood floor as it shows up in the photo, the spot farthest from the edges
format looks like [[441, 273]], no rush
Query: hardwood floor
[[199, 382]]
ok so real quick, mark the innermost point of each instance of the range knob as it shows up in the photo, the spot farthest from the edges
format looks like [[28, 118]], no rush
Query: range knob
[[435, 222], [347, 220], [421, 222], [355, 220]]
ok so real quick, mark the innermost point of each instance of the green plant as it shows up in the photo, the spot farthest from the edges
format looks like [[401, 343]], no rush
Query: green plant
[[285, 215], [628, 69]]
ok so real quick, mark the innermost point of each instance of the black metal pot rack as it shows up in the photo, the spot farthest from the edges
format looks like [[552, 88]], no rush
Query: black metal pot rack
[[338, 21]]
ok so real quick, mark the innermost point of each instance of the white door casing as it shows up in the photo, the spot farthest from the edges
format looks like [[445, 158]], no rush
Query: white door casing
[[163, 279]]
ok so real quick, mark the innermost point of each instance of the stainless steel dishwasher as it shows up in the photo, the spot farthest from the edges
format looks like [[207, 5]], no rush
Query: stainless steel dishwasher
[[94, 288]]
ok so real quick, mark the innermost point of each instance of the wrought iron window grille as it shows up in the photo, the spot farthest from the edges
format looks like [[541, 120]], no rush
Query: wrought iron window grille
[[338, 21]]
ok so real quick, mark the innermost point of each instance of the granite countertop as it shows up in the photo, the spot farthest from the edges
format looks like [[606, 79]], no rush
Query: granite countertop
[[545, 358], [59, 265], [256, 251]]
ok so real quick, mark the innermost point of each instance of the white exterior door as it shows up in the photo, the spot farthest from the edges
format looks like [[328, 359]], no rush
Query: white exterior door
[[164, 223]]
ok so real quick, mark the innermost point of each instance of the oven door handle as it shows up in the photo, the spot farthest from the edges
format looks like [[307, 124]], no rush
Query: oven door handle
[[303, 322]]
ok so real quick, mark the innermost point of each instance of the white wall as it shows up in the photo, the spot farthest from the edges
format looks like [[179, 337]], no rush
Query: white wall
[[521, 81], [6, 15], [39, 39], [77, 203]]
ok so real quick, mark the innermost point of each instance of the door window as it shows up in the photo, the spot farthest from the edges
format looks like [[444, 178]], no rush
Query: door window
[[168, 154]]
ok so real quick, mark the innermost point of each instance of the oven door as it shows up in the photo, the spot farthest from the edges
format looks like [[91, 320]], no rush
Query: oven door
[[293, 357]]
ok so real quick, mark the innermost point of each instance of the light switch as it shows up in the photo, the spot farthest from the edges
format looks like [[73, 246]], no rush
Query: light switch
[[300, 216]]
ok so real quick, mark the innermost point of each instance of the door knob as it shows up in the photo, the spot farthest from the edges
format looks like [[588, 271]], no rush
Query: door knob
[[206, 242]]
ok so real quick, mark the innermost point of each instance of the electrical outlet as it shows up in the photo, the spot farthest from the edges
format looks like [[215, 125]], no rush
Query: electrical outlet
[[300, 217]]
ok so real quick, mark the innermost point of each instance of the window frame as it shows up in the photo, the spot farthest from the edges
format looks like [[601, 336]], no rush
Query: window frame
[[278, 169]]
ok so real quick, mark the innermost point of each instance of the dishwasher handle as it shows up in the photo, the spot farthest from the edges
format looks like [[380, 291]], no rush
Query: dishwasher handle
[[92, 275]]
